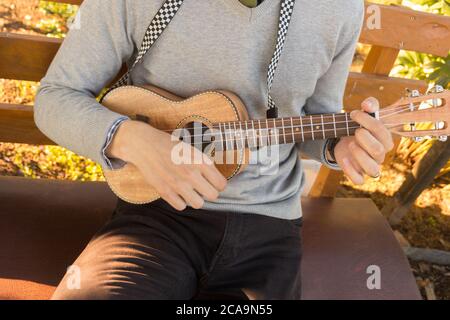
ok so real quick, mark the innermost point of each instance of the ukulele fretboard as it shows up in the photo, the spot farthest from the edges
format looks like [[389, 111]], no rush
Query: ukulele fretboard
[[266, 132]]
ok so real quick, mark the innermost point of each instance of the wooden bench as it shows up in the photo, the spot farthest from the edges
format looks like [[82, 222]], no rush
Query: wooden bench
[[46, 224]]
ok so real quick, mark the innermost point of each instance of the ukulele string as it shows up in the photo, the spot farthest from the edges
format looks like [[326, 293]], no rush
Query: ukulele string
[[307, 125], [259, 138], [386, 113], [388, 125]]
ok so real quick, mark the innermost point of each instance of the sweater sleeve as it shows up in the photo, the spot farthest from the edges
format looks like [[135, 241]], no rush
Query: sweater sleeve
[[329, 91], [66, 109]]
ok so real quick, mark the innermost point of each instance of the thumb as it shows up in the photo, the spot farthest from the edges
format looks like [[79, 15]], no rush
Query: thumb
[[370, 105]]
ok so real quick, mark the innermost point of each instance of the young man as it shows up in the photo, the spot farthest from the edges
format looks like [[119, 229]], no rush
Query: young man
[[205, 235]]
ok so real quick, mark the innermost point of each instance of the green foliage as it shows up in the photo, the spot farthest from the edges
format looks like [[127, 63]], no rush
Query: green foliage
[[413, 65], [434, 6], [441, 71], [51, 162], [75, 167], [52, 28], [59, 15], [65, 11]]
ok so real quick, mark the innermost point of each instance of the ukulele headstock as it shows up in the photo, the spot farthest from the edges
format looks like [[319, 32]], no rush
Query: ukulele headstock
[[420, 116]]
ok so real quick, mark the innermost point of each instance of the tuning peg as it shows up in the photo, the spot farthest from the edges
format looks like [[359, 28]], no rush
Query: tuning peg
[[443, 138], [435, 102], [438, 89], [412, 93]]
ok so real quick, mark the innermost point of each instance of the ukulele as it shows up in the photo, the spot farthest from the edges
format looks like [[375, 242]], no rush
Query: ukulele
[[219, 120]]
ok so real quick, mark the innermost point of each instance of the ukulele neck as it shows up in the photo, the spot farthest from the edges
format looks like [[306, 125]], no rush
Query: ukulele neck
[[258, 133]]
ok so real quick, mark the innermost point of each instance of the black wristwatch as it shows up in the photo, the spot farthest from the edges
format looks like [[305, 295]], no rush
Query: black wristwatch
[[331, 145]]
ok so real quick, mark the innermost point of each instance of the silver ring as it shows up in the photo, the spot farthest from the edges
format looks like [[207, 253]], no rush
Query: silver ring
[[377, 176]]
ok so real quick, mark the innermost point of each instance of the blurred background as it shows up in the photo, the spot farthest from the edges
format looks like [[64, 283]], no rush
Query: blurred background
[[427, 224]]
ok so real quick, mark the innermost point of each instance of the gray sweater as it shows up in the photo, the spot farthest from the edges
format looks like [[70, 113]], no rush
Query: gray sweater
[[218, 44]]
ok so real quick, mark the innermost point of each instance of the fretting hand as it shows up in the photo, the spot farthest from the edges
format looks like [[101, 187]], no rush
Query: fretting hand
[[364, 153]]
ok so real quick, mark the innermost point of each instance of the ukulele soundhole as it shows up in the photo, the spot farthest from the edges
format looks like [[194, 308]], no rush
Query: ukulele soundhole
[[198, 135]]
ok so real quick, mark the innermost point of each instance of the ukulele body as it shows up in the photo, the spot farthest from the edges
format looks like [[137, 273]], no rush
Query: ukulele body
[[166, 111]]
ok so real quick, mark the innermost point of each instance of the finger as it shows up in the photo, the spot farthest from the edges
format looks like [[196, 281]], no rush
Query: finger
[[213, 175], [174, 200], [204, 188], [356, 166], [351, 172], [371, 145], [368, 164], [165, 191], [183, 181], [189, 195], [354, 163], [370, 105], [375, 126]]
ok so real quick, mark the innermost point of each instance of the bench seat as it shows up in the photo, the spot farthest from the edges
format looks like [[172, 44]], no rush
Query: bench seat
[[45, 224]]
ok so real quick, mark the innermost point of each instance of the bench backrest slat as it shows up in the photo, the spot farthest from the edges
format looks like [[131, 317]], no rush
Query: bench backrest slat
[[24, 57]]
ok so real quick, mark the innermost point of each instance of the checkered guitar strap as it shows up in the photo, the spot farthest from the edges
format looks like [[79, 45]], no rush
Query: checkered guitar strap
[[169, 10], [159, 23], [287, 7]]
